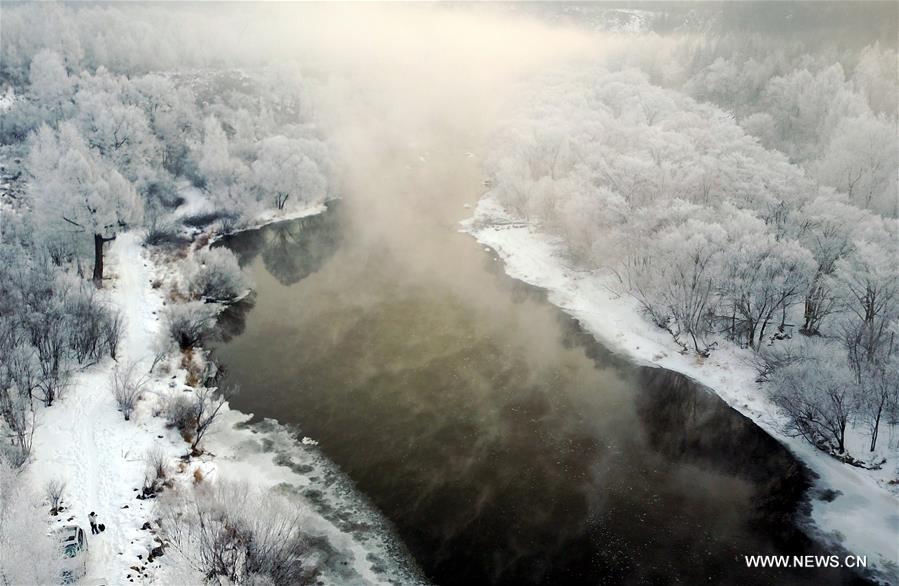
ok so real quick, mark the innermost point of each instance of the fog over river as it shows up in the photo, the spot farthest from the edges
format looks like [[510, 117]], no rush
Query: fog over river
[[504, 443]]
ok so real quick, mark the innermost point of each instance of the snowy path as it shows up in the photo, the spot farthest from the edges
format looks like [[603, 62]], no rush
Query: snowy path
[[86, 441]]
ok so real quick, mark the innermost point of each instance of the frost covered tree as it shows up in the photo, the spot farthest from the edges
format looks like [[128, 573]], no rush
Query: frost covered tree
[[45, 321], [283, 169], [173, 117], [876, 77], [18, 380], [76, 191], [681, 284], [878, 394], [213, 274], [818, 394], [671, 195], [861, 161], [51, 321], [827, 229], [50, 86], [808, 106], [869, 279], [763, 278], [118, 130], [226, 176]]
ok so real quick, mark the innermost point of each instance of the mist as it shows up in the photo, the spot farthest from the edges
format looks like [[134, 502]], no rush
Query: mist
[[411, 98], [454, 293]]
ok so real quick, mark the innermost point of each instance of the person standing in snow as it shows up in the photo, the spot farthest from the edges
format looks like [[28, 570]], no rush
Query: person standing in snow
[[93, 520]]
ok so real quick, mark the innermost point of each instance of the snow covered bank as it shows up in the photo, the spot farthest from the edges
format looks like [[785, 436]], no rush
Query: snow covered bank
[[84, 440], [272, 456], [197, 203], [863, 517]]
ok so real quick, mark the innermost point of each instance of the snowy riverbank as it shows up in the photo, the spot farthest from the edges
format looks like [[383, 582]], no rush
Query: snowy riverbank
[[863, 517], [84, 440], [196, 203]]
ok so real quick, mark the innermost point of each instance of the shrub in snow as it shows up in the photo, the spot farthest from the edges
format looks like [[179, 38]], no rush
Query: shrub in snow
[[228, 223], [54, 490], [163, 346], [127, 386], [155, 459], [194, 414], [29, 555], [205, 219], [46, 324], [95, 329], [180, 412], [233, 534], [207, 407], [52, 321], [18, 380], [112, 328], [161, 234], [156, 471], [189, 323], [214, 274]]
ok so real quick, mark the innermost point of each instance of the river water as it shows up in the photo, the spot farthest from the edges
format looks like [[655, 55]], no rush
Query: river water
[[505, 445]]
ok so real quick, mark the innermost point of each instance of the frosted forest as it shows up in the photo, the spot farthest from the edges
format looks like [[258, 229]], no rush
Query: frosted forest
[[518, 293]]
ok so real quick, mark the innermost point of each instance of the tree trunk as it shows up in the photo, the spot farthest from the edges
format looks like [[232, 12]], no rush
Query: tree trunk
[[99, 241], [98, 259], [876, 427], [762, 333]]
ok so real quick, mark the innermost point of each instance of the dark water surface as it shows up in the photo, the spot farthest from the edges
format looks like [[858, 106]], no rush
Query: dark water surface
[[505, 444]]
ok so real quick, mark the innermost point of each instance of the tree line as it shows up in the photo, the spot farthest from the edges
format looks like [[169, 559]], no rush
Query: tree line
[[717, 237], [94, 143]]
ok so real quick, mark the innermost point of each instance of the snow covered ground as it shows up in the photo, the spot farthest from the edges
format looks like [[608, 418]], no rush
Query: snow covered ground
[[84, 440], [197, 203], [863, 517], [7, 99]]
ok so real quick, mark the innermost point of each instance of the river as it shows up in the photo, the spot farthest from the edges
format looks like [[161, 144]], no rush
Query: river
[[504, 444]]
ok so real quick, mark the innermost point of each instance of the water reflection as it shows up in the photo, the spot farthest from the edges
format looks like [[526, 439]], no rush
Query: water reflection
[[503, 442], [293, 250], [232, 323]]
